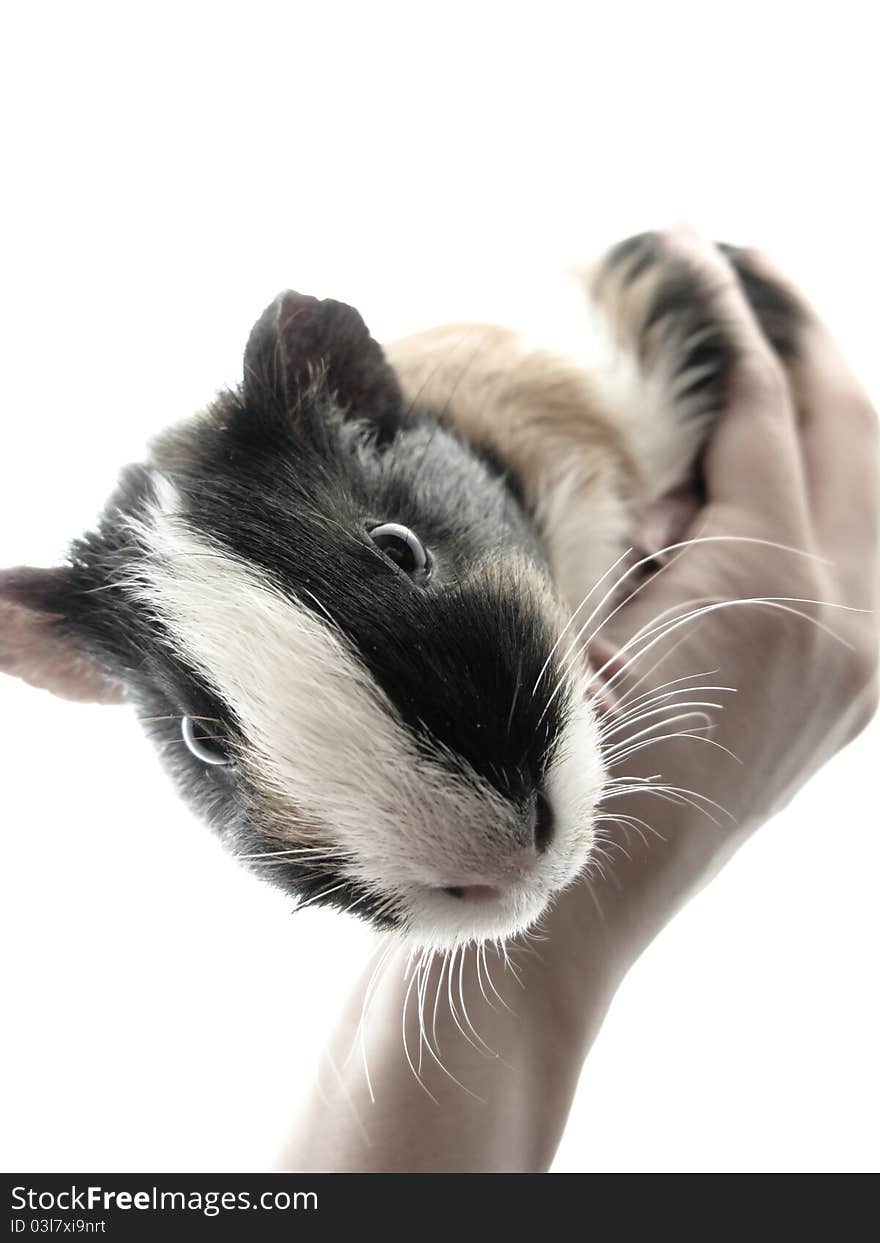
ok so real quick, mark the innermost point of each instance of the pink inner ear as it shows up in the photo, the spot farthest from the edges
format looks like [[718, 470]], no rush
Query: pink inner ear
[[32, 650]]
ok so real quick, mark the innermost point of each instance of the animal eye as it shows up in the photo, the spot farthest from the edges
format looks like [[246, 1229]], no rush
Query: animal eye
[[200, 738], [404, 548]]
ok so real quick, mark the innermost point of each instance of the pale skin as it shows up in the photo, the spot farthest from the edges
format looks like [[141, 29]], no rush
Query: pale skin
[[795, 463]]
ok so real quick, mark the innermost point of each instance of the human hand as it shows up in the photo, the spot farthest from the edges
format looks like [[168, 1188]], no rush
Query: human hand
[[792, 510], [791, 517]]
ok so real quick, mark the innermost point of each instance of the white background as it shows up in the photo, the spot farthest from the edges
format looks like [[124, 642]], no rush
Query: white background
[[165, 173]]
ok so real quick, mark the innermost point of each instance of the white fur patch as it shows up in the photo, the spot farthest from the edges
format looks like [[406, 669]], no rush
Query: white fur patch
[[662, 437], [324, 740], [586, 527]]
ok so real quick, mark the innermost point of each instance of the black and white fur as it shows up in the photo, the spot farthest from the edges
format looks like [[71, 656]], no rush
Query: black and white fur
[[413, 751]]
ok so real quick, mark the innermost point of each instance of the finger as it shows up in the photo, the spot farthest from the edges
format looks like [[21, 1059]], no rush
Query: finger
[[841, 451], [840, 438], [753, 458]]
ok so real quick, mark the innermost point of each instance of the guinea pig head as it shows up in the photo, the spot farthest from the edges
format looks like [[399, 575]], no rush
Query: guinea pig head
[[335, 619]]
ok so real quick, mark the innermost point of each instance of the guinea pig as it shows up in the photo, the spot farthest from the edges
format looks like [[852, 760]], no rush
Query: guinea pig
[[339, 597]]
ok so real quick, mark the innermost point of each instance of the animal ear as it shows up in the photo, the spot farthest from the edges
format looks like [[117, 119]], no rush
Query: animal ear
[[298, 338], [34, 643]]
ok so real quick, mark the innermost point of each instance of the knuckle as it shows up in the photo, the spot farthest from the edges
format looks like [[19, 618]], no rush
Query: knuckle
[[863, 709], [849, 671], [853, 406], [871, 701], [865, 421], [856, 663], [864, 657]]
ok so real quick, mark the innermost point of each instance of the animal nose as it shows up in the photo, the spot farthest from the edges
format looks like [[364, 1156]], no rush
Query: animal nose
[[541, 822], [536, 832], [478, 893]]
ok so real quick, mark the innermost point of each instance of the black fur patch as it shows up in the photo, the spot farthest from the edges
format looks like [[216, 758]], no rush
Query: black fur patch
[[682, 304], [291, 479], [289, 474], [776, 310], [299, 339], [450, 656]]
